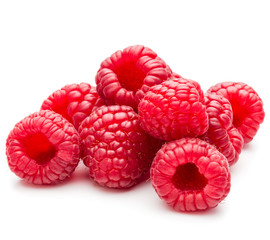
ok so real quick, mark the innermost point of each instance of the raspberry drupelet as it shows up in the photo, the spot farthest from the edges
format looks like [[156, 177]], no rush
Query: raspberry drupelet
[[43, 148], [190, 175], [116, 149], [125, 77]]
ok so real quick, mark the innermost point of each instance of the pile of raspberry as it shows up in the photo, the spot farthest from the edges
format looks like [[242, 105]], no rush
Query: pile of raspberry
[[140, 121]]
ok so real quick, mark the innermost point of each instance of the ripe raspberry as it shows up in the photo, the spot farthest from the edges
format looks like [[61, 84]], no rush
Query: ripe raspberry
[[247, 107], [115, 148], [43, 148], [74, 102], [190, 174], [125, 77], [172, 110], [220, 121]]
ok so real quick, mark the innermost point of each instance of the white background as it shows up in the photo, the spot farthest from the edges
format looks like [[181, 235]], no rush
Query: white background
[[45, 45]]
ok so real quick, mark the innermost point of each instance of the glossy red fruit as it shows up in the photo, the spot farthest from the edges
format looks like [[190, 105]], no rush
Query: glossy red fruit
[[43, 148], [172, 110], [74, 102], [125, 77], [190, 175], [116, 149], [196, 85], [247, 106], [237, 142], [221, 133]]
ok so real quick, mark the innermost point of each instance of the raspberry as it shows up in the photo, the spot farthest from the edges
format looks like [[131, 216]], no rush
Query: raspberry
[[125, 77], [172, 110], [74, 102], [220, 121], [115, 148], [247, 107], [190, 174], [43, 148]]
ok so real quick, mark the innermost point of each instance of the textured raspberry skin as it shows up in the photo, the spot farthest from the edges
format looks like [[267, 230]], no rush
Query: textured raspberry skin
[[75, 102], [54, 160], [183, 195], [172, 110], [176, 75], [115, 148], [125, 77], [220, 116], [247, 107], [196, 85], [237, 142]]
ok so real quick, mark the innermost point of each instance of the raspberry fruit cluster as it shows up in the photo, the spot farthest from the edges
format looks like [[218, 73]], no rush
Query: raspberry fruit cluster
[[141, 121]]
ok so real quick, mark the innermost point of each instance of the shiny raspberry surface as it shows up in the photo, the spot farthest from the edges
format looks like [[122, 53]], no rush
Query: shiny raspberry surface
[[116, 149], [220, 123], [125, 77], [43, 148], [173, 110], [74, 102], [247, 106], [237, 142], [190, 174], [195, 83]]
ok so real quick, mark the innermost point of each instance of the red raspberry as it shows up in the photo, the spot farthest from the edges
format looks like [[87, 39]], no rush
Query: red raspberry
[[115, 148], [247, 107], [74, 102], [220, 121], [43, 148], [125, 77], [172, 110], [190, 174]]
